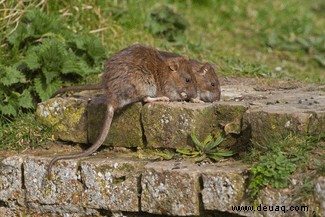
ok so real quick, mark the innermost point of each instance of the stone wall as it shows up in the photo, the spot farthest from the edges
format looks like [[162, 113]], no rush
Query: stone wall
[[122, 182]]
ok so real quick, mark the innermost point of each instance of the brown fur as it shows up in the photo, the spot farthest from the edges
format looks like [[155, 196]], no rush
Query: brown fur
[[139, 73], [208, 85]]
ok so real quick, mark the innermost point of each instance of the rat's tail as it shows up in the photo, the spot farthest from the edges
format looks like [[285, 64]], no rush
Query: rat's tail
[[101, 138], [78, 88]]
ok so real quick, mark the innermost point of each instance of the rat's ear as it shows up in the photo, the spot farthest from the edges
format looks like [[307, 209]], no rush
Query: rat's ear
[[205, 68], [173, 64]]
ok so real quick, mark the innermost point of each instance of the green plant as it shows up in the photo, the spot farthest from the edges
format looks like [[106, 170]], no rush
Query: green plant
[[165, 154], [208, 149], [285, 156], [44, 54], [164, 22], [273, 169]]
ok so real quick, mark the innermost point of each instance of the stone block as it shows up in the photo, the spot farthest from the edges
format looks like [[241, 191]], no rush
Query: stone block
[[8, 212], [67, 117], [319, 193], [170, 188], [276, 122], [279, 203], [224, 186], [317, 122], [112, 183], [11, 191], [126, 128], [169, 125], [60, 195]]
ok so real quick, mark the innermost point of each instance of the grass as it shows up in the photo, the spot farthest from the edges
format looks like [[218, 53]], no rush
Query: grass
[[263, 35], [24, 132]]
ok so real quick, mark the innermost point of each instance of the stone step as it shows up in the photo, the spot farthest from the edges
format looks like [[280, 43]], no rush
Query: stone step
[[122, 183], [245, 113], [113, 183]]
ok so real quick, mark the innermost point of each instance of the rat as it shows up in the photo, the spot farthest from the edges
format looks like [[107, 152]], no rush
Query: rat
[[139, 73], [208, 85]]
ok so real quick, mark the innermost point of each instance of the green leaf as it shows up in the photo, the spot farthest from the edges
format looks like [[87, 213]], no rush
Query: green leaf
[[32, 60], [211, 146], [50, 75], [52, 53], [25, 100], [207, 139], [223, 154], [197, 143], [76, 65], [215, 158], [218, 141], [9, 75], [320, 59], [167, 155], [200, 159], [184, 151], [91, 46], [43, 90], [8, 109]]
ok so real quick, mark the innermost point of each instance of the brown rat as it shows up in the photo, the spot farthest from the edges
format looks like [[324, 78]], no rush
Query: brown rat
[[139, 73], [208, 85]]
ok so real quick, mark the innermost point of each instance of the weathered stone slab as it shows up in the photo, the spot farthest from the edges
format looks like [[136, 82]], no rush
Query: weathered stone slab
[[224, 186], [60, 195], [317, 122], [126, 126], [319, 193], [169, 125], [281, 112], [112, 183], [276, 122], [279, 121], [279, 202], [170, 188], [8, 212], [67, 117], [11, 191]]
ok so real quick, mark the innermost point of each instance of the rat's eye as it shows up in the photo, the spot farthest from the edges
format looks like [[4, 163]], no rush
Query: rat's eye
[[188, 80], [213, 84]]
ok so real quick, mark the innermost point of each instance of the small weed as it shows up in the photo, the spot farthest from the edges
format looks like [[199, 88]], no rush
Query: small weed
[[208, 149], [284, 157], [165, 154], [273, 169]]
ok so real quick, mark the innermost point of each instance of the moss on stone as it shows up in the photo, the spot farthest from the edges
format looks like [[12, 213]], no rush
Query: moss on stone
[[67, 117]]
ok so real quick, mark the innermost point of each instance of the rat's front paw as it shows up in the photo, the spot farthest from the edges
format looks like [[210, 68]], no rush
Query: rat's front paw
[[196, 100]]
